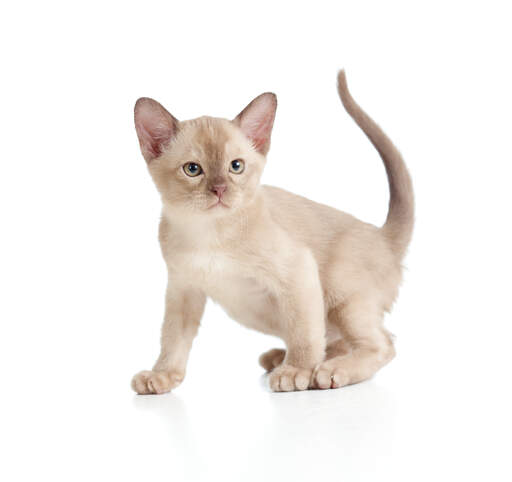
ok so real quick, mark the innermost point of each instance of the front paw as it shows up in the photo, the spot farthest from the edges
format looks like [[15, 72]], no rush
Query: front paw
[[156, 381], [286, 378]]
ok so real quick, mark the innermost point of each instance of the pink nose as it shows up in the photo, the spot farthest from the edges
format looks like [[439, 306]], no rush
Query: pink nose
[[219, 189]]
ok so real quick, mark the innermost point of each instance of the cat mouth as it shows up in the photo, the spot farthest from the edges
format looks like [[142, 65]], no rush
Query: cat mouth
[[218, 203]]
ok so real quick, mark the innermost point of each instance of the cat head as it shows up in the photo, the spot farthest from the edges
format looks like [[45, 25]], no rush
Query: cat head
[[206, 166]]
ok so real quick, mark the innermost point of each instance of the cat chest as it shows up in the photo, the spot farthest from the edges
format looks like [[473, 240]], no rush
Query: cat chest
[[232, 284], [219, 276]]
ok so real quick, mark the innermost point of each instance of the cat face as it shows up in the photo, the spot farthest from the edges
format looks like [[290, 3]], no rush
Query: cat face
[[206, 166], [210, 167]]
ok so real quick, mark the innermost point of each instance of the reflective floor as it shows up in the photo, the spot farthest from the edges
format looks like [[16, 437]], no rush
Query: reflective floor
[[429, 415]]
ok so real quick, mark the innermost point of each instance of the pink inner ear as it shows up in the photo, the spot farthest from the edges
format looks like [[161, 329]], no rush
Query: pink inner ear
[[155, 127], [154, 138], [257, 119]]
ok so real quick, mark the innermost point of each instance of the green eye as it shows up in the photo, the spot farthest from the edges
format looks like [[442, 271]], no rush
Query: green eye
[[237, 166], [192, 169]]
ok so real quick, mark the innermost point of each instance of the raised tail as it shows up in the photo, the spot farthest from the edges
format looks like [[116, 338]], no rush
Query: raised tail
[[400, 221]]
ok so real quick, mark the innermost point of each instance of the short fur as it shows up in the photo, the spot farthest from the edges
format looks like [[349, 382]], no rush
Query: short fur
[[279, 263]]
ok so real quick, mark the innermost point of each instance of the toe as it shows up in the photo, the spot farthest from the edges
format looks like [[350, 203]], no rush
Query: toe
[[139, 382], [274, 382], [339, 378], [286, 383], [323, 379], [159, 382], [302, 380]]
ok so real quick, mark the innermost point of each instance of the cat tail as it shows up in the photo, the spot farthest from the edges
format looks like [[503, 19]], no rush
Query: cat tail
[[400, 220]]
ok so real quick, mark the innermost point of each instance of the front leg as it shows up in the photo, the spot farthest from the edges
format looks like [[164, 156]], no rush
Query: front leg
[[302, 325], [183, 311]]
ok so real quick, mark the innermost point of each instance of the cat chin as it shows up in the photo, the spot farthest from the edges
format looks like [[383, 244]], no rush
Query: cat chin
[[196, 214]]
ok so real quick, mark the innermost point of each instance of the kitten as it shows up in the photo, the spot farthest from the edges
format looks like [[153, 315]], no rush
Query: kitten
[[316, 277]]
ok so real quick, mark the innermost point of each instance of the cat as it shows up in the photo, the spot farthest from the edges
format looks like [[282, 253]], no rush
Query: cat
[[278, 263]]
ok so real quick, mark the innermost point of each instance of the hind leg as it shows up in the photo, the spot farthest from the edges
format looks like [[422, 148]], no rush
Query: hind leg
[[365, 348], [272, 358], [337, 348]]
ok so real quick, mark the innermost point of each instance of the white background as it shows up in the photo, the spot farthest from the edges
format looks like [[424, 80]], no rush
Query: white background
[[82, 279]]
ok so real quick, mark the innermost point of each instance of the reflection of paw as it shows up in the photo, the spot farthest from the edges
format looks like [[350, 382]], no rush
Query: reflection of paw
[[330, 374], [156, 382], [286, 378], [272, 358]]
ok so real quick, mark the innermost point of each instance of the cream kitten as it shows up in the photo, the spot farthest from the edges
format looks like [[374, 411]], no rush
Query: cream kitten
[[316, 277]]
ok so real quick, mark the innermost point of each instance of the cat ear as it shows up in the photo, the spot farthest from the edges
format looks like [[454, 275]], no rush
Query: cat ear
[[155, 127], [257, 119]]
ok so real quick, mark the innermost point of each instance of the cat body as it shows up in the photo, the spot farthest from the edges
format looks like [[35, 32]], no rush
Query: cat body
[[276, 262]]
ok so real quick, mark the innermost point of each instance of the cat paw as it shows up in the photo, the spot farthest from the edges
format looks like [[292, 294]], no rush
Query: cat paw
[[146, 382], [286, 378], [272, 358], [330, 374]]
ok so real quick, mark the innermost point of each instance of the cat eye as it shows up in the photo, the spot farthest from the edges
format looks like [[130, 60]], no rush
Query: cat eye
[[192, 169], [237, 166]]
